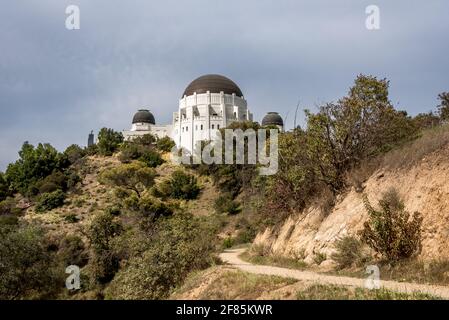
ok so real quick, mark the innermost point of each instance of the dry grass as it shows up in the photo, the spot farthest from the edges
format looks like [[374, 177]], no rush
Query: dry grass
[[220, 283], [333, 292], [258, 255], [403, 157]]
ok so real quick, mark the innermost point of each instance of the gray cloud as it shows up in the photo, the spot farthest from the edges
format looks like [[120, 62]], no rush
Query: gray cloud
[[56, 85]]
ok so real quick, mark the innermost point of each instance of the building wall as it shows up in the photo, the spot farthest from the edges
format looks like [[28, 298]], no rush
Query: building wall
[[199, 117]]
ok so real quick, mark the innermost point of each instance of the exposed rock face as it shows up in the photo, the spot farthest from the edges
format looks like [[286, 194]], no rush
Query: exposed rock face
[[423, 187]]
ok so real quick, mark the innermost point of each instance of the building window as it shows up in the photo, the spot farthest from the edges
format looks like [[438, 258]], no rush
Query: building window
[[187, 129], [182, 129], [235, 115], [218, 126], [212, 126], [201, 127]]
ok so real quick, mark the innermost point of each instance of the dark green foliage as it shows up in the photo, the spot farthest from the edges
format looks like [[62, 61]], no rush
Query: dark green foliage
[[337, 138], [34, 164], [4, 187], [108, 141], [7, 206], [71, 218], [165, 144], [26, 267], [443, 107], [349, 253], [72, 251], [180, 185], [101, 232], [153, 208], [115, 211], [8, 220], [225, 204], [180, 245], [91, 150], [49, 201], [130, 151], [55, 181], [147, 140], [74, 153], [151, 158], [391, 231], [135, 177]]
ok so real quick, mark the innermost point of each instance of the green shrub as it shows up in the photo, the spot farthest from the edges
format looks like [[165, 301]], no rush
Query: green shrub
[[180, 185], [49, 201], [154, 208], [165, 144], [8, 220], [72, 251], [225, 204], [115, 211], [151, 158], [349, 252], [71, 218], [134, 177], [130, 151], [104, 262], [7, 206], [27, 269], [390, 231], [4, 187], [180, 246], [108, 141], [74, 153], [228, 242], [34, 164]]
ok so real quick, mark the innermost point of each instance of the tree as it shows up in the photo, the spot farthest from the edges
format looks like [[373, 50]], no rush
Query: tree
[[108, 141], [34, 164], [362, 124], [74, 152], [105, 263], [165, 144], [443, 107], [180, 185], [26, 267], [4, 187], [391, 231], [135, 177]]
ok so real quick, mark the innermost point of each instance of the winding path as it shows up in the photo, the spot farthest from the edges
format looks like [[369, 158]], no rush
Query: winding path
[[232, 258]]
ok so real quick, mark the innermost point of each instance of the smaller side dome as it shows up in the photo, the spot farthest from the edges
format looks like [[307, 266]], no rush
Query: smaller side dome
[[272, 118], [144, 116]]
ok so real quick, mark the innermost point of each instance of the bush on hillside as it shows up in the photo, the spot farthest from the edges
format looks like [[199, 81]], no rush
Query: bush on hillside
[[151, 158], [349, 253], [74, 153], [391, 231], [165, 144], [104, 262], [26, 266], [181, 245], [72, 251], [180, 185], [49, 201], [34, 164], [4, 187], [108, 141], [134, 177], [225, 204]]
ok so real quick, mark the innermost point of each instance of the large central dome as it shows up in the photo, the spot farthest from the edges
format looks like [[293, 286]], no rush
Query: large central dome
[[214, 83]]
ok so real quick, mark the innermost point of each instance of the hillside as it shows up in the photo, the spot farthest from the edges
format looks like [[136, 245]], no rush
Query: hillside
[[420, 173]]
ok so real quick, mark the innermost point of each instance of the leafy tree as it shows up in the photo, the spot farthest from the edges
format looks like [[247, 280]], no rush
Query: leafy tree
[[4, 187], [49, 201], [108, 141], [151, 158], [180, 185], [390, 231], [34, 164], [26, 267], [74, 153], [443, 107], [146, 140], [105, 262], [165, 144], [180, 245], [135, 177], [225, 204]]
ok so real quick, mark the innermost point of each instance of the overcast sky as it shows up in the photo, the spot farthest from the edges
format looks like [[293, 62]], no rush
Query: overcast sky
[[56, 85]]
